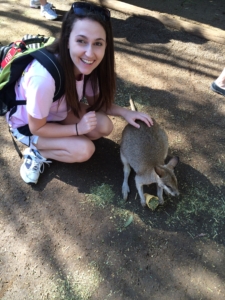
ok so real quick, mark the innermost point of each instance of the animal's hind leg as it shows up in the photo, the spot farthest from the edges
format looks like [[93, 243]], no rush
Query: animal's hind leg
[[126, 170]]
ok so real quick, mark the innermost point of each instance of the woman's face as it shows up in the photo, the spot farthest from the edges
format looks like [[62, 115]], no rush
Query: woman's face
[[87, 44]]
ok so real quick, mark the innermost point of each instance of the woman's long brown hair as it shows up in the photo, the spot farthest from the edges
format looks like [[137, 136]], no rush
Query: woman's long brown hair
[[102, 78]]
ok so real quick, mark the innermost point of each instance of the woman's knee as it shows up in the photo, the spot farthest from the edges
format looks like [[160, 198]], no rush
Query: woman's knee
[[83, 151], [105, 124]]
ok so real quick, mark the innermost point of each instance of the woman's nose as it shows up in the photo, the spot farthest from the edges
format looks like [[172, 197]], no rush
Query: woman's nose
[[89, 50]]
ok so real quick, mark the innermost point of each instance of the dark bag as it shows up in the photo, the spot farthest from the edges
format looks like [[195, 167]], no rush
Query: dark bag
[[14, 58]]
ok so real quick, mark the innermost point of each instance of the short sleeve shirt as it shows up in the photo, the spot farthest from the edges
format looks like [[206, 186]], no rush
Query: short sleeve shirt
[[37, 87]]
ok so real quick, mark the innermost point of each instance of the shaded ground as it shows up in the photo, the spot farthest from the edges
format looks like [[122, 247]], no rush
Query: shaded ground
[[71, 236]]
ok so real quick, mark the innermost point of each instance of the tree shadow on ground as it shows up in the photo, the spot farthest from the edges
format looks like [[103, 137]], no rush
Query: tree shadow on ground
[[128, 258], [202, 11], [171, 253], [150, 31]]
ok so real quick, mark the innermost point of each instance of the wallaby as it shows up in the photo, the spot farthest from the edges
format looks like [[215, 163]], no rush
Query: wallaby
[[145, 149]]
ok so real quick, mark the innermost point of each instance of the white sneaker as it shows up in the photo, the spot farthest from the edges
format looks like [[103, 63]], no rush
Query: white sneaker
[[32, 166], [48, 12], [35, 3]]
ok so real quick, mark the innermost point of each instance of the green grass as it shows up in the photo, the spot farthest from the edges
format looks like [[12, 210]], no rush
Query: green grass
[[74, 286], [200, 212], [101, 195]]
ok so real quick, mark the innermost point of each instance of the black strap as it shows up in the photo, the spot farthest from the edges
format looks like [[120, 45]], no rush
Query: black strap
[[15, 145], [13, 110], [50, 62]]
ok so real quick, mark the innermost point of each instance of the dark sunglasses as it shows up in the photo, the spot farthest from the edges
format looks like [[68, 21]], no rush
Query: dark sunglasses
[[83, 8]]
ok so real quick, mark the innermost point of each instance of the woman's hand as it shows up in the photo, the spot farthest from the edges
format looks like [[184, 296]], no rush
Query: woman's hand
[[131, 116], [87, 123]]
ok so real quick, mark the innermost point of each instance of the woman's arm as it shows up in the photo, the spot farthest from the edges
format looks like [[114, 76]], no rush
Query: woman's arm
[[41, 128], [65, 128], [129, 115]]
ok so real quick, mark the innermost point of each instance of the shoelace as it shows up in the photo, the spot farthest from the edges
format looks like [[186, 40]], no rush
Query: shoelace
[[38, 164]]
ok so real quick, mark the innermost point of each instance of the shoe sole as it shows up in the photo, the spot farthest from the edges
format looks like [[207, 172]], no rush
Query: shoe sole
[[52, 18], [217, 89], [25, 178], [35, 6]]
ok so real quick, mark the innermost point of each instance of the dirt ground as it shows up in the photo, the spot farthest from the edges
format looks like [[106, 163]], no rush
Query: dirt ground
[[71, 236]]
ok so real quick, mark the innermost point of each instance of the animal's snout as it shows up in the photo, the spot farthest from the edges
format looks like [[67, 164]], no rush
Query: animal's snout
[[170, 191], [175, 194]]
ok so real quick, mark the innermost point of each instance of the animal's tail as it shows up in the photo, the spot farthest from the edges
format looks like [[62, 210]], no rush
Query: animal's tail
[[132, 105]]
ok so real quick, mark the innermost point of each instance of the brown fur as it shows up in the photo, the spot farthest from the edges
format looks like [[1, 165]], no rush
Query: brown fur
[[145, 150]]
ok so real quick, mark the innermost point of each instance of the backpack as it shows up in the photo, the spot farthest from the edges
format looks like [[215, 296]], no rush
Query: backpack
[[14, 58]]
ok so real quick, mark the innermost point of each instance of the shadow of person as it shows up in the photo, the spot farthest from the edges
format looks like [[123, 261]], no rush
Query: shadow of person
[[104, 166]]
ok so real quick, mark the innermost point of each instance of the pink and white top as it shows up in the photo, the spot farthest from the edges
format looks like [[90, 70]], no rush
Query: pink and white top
[[37, 86]]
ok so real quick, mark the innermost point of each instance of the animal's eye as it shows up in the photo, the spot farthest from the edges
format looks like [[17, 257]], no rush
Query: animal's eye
[[169, 187]]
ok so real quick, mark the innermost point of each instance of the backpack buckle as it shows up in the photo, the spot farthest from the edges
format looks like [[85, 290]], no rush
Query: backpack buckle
[[12, 52]]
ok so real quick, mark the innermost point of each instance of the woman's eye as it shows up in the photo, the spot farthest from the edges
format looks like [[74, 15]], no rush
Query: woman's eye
[[81, 41], [98, 44]]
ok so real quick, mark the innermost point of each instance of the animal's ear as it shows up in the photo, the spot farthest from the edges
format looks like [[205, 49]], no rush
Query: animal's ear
[[173, 162], [159, 171]]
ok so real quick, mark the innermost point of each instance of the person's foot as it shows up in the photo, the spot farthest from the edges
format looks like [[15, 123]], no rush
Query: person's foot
[[48, 12], [32, 166], [215, 88], [35, 3]]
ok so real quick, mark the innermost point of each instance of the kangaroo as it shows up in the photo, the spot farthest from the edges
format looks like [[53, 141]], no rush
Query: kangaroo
[[145, 149]]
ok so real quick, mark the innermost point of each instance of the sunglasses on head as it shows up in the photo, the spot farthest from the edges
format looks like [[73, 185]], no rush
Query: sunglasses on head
[[83, 8]]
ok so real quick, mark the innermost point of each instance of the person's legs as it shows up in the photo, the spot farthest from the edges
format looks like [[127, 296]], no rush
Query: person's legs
[[220, 81], [104, 124], [67, 149], [70, 150], [37, 3], [218, 85], [43, 2], [47, 10]]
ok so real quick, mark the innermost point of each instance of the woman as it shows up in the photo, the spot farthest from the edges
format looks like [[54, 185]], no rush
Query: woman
[[64, 130]]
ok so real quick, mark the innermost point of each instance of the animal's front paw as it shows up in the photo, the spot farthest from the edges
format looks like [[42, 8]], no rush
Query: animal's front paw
[[125, 191], [161, 201], [143, 203]]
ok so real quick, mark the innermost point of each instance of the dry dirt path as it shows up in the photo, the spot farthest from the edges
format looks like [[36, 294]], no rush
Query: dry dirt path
[[71, 236]]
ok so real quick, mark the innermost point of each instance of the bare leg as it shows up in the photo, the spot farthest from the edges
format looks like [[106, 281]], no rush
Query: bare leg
[[67, 149], [75, 148], [43, 2], [104, 124], [220, 81]]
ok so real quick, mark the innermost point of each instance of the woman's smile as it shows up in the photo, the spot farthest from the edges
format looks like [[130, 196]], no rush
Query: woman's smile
[[86, 61]]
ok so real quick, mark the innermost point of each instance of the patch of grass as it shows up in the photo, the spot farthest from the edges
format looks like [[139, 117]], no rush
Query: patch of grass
[[200, 211], [123, 218], [101, 195], [76, 286]]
